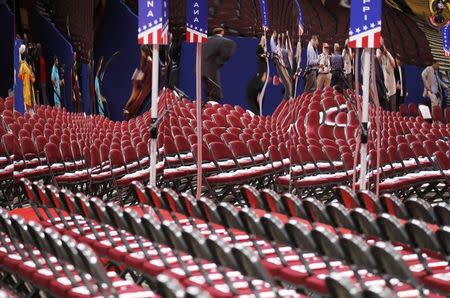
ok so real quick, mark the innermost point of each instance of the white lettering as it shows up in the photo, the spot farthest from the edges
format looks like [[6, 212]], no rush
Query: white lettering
[[196, 4], [150, 14], [196, 12], [151, 3], [196, 20]]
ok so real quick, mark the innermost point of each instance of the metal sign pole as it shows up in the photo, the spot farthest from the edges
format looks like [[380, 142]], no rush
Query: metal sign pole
[[367, 55], [198, 73], [154, 114], [263, 91]]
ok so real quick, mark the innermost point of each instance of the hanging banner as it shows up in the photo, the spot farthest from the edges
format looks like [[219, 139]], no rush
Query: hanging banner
[[264, 14], [301, 24], [196, 21], [446, 39], [153, 22], [365, 24]]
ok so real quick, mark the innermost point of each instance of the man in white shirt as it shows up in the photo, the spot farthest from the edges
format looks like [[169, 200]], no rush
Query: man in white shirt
[[433, 84], [348, 65], [388, 66], [324, 76]]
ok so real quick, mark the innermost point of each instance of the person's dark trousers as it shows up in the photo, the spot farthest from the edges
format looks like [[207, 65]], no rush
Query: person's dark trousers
[[336, 78], [311, 81], [348, 81], [391, 103], [399, 100], [213, 90], [146, 105]]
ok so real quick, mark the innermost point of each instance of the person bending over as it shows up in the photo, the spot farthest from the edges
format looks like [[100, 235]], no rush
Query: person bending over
[[216, 52]]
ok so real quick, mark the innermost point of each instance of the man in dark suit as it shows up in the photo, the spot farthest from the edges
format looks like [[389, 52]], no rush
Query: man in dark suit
[[381, 87], [400, 80], [216, 52]]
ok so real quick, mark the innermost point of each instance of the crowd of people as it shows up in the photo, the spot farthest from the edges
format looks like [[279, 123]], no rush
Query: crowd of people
[[325, 69], [37, 89], [333, 65]]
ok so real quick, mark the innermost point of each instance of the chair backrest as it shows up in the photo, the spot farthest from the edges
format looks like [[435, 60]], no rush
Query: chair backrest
[[300, 236], [357, 251], [365, 223], [346, 196], [340, 216], [327, 243], [437, 114], [316, 211], [169, 287], [251, 222], [129, 154], [66, 152], [252, 197], [274, 229], [421, 236], [370, 201], [52, 153], [420, 209], [116, 159], [239, 149], [292, 205], [248, 263], [442, 212], [391, 228], [229, 216], [341, 287], [390, 262], [393, 205]]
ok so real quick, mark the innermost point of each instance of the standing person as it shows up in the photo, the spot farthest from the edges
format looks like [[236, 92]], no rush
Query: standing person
[[379, 80], [42, 75], [255, 86], [298, 63], [216, 52], [175, 58], [388, 66], [400, 81], [27, 76], [347, 55], [142, 85], [324, 76], [283, 64], [101, 101], [433, 85], [56, 82], [337, 67], [312, 64], [76, 93]]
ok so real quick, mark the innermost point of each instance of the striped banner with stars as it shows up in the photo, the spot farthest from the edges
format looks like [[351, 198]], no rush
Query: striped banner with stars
[[153, 22], [365, 24], [446, 39], [196, 21]]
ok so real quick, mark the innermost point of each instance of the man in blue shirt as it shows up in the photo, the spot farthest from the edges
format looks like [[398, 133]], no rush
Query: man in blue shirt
[[57, 82], [312, 64], [337, 67]]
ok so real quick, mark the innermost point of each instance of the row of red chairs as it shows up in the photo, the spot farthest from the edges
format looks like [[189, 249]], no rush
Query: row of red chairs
[[314, 246]]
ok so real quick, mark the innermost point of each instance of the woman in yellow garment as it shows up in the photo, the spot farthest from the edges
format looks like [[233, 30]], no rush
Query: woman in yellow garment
[[27, 76]]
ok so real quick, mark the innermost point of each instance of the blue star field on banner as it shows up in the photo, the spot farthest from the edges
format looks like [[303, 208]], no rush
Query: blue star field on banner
[[153, 22], [196, 21], [365, 24]]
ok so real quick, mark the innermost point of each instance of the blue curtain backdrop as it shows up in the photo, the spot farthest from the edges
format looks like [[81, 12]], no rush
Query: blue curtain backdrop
[[54, 43], [118, 33], [6, 50]]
